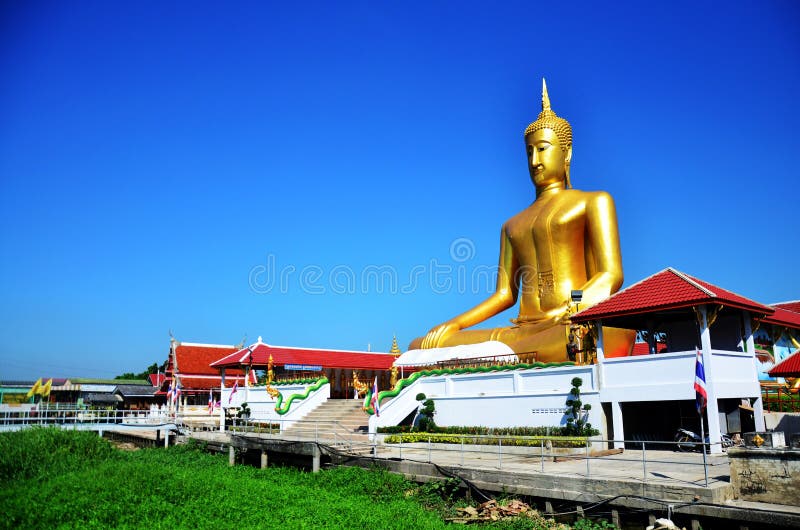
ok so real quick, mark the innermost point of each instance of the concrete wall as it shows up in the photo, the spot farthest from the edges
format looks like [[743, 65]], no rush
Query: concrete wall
[[519, 398], [262, 406], [788, 422], [766, 475], [670, 376]]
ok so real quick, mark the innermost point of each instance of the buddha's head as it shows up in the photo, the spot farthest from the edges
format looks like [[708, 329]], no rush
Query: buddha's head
[[548, 142]]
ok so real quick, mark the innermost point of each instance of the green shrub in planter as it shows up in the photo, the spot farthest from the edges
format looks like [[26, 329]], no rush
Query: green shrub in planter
[[440, 438]]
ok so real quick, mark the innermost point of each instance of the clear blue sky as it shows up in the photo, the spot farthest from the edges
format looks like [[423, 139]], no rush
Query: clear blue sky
[[157, 157]]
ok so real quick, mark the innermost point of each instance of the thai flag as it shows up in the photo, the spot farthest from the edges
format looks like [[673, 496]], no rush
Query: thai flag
[[170, 391], [701, 397], [235, 388], [210, 402], [374, 400], [177, 395]]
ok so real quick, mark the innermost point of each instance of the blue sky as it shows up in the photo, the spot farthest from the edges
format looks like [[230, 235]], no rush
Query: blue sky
[[159, 159]]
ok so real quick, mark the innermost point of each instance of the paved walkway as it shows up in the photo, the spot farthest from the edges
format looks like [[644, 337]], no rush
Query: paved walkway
[[656, 466]]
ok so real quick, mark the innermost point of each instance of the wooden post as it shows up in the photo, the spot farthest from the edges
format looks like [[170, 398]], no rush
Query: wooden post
[[615, 518], [263, 459], [231, 455], [548, 507], [695, 524]]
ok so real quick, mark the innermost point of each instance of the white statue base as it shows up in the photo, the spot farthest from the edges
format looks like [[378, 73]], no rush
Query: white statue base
[[483, 350]]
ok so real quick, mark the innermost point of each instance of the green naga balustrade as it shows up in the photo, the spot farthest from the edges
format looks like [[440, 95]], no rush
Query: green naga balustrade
[[282, 407], [403, 383]]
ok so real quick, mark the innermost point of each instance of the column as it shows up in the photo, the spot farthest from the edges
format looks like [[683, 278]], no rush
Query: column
[[750, 346], [619, 431], [315, 459], [712, 410], [601, 358], [247, 384], [221, 407]]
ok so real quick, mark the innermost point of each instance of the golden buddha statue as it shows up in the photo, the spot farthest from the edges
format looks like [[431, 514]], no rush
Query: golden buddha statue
[[565, 240]]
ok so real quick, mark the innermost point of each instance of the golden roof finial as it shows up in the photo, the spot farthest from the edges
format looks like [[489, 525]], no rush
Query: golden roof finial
[[395, 348]]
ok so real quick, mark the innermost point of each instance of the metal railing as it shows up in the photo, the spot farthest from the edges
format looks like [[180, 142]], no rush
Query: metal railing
[[67, 416], [780, 399], [644, 461], [320, 431], [640, 461]]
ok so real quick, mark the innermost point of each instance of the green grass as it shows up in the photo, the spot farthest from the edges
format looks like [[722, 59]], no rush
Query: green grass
[[68, 479]]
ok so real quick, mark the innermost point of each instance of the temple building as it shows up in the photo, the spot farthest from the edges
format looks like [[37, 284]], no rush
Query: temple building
[[189, 365], [291, 362]]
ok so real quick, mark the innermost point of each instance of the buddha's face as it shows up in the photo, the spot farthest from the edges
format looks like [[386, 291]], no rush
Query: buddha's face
[[547, 162]]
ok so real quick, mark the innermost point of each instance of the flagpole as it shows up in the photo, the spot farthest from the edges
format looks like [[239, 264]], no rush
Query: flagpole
[[703, 445]]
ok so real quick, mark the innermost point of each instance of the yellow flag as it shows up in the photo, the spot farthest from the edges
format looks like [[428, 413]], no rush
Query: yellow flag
[[35, 388], [44, 390]]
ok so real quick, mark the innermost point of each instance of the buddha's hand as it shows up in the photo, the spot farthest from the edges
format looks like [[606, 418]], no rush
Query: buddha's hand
[[436, 336]]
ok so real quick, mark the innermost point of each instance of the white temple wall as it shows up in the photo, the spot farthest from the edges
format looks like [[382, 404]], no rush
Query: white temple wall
[[519, 398], [670, 376], [262, 406]]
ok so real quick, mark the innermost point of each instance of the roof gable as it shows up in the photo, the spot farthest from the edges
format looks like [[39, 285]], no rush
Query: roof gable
[[789, 367], [282, 355], [667, 289], [197, 358]]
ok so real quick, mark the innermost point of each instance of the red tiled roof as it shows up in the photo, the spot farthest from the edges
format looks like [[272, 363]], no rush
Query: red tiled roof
[[282, 355], [197, 358], [782, 317], [191, 382], [668, 289], [788, 306], [789, 367], [157, 379]]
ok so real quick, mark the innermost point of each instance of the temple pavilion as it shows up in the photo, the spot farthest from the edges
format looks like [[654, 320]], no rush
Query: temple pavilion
[[189, 363], [291, 362]]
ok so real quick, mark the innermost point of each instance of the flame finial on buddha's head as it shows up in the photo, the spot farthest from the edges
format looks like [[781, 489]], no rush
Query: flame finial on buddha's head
[[548, 119]]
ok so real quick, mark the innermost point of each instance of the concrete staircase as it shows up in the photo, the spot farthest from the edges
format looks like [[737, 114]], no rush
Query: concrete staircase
[[339, 422]]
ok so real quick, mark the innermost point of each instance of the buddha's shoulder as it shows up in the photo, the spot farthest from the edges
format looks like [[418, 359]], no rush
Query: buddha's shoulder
[[567, 199], [588, 197]]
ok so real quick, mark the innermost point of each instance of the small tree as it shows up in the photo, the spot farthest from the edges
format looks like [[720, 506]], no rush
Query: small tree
[[576, 411], [244, 411], [426, 413]]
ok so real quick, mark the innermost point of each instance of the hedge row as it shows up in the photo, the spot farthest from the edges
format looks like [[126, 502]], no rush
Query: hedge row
[[486, 431], [439, 438]]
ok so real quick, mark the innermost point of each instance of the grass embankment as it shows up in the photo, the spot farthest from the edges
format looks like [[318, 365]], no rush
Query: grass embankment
[[70, 479]]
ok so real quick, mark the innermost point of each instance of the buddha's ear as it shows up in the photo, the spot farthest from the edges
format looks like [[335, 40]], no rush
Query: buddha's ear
[[567, 159]]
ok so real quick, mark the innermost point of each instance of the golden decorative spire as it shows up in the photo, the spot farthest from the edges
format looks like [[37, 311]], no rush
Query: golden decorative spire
[[545, 97], [395, 348], [549, 120]]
